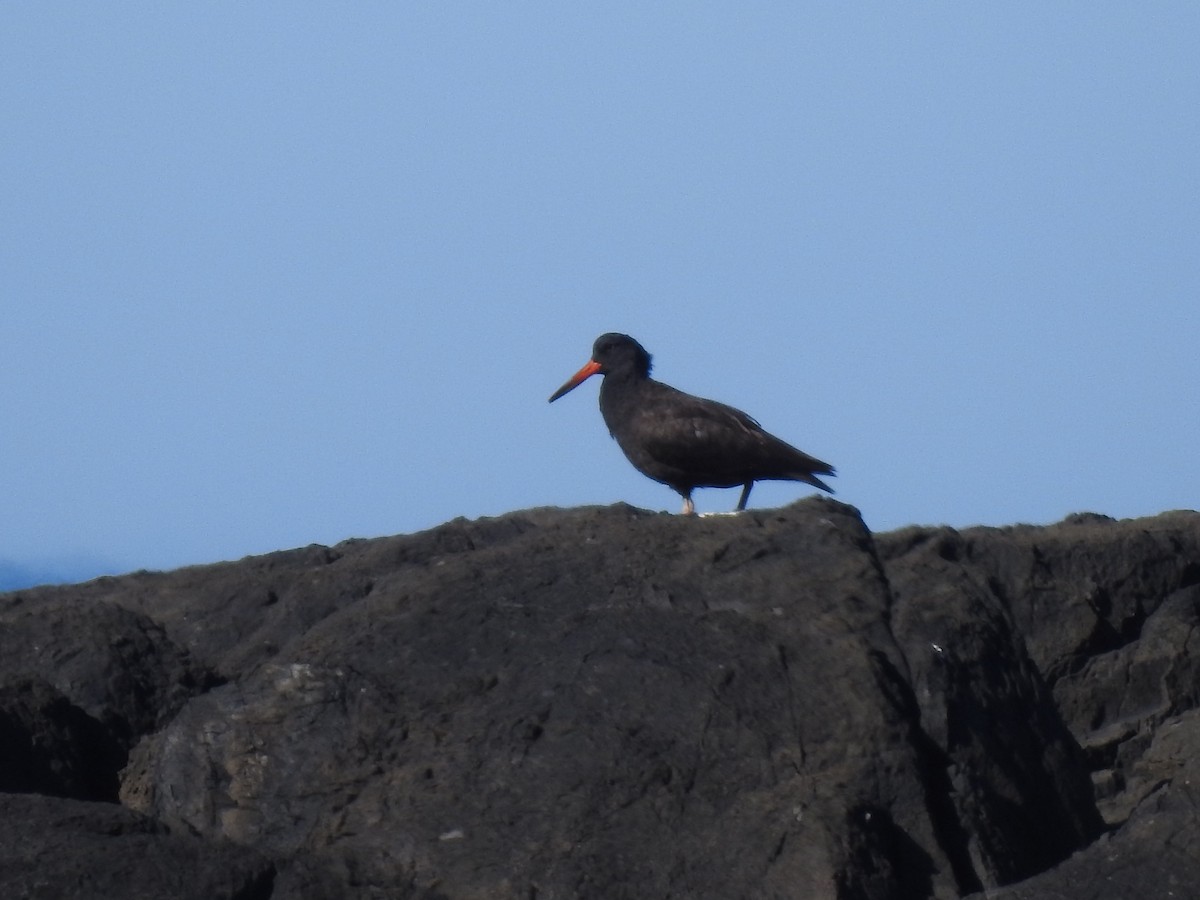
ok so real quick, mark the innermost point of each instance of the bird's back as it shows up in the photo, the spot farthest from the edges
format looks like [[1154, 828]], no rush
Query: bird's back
[[686, 441]]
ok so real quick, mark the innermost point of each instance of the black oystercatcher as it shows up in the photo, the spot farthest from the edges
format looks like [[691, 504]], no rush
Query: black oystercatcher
[[685, 442]]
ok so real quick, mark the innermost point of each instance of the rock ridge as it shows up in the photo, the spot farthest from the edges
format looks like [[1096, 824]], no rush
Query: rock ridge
[[610, 702]]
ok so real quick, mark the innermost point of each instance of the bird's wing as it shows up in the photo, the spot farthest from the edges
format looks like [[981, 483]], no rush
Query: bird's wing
[[701, 436], [715, 442]]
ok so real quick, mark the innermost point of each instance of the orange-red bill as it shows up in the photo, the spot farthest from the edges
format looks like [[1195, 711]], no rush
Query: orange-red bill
[[577, 379]]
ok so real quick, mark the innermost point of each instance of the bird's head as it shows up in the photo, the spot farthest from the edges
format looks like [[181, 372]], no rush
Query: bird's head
[[612, 353]]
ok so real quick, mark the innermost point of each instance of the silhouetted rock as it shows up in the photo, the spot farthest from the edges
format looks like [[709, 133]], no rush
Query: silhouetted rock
[[608, 702]]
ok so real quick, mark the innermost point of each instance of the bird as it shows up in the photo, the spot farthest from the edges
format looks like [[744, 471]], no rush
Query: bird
[[682, 441]]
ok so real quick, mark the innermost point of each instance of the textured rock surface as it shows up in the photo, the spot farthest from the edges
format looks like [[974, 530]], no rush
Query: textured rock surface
[[615, 703], [55, 848]]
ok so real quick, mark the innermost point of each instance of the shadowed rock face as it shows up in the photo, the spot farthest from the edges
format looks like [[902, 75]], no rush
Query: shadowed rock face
[[608, 702]]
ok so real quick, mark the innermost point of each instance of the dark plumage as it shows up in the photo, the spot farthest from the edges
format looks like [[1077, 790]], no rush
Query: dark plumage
[[685, 442]]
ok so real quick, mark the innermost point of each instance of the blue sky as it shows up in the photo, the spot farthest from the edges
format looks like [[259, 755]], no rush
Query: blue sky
[[276, 274]]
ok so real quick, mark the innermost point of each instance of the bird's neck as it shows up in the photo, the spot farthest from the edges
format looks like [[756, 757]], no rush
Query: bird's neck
[[618, 390], [622, 383]]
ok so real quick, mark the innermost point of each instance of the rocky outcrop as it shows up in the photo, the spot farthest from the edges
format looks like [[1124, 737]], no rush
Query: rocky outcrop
[[608, 702]]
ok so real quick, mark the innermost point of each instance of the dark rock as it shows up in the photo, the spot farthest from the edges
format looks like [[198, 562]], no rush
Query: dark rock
[[1016, 778], [1156, 852], [614, 703], [50, 746], [533, 711], [56, 849], [114, 663], [1107, 612]]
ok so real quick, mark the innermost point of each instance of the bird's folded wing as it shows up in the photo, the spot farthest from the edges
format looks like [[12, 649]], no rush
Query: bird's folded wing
[[701, 436]]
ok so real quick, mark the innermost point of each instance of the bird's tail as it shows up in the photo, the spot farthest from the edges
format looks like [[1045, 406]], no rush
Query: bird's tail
[[808, 477], [817, 482]]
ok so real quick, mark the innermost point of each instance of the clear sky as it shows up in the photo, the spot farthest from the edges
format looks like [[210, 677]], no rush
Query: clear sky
[[282, 273]]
